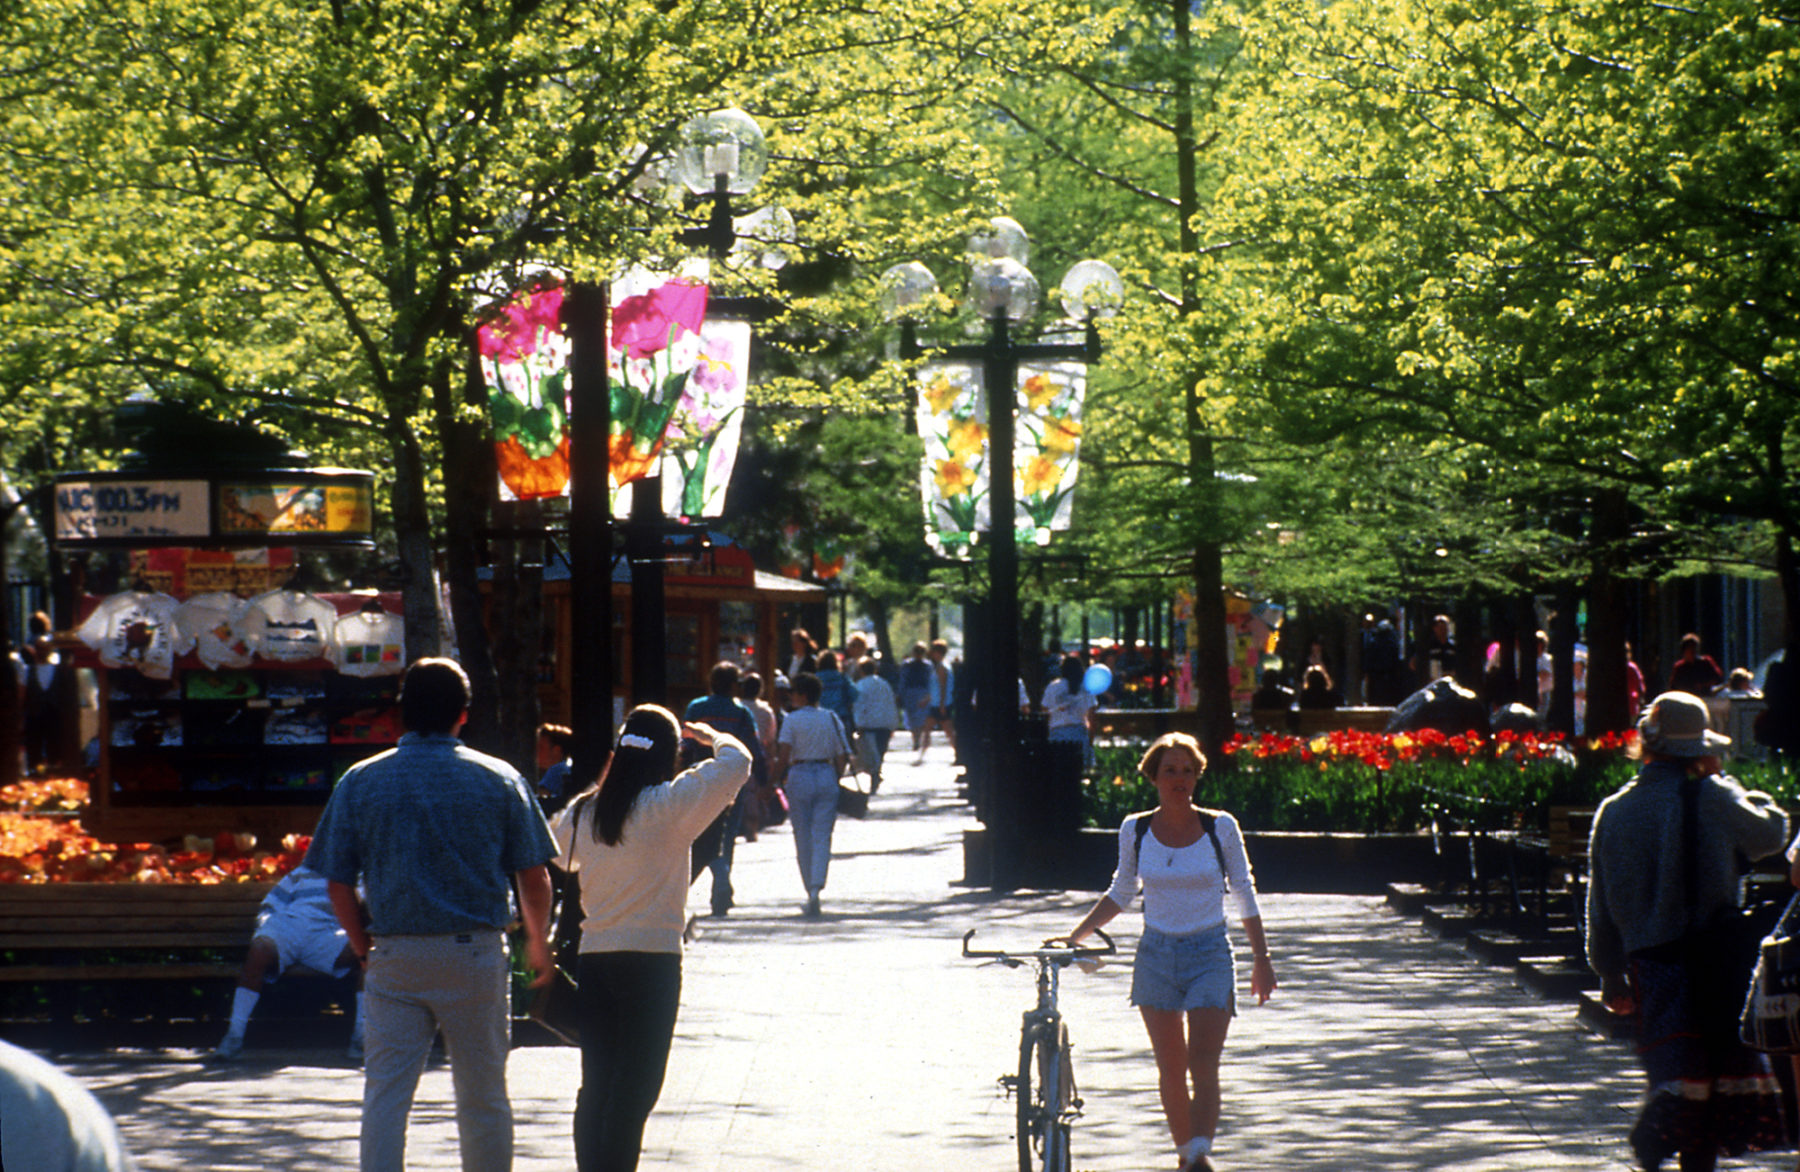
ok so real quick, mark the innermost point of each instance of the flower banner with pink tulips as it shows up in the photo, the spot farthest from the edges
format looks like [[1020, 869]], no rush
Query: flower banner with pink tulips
[[953, 478], [677, 383], [524, 359], [700, 446], [655, 345]]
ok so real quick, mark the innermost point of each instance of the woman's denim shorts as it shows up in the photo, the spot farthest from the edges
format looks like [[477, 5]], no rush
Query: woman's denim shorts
[[1184, 972]]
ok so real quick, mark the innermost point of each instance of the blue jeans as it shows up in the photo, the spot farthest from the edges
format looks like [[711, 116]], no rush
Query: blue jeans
[[721, 862], [812, 810]]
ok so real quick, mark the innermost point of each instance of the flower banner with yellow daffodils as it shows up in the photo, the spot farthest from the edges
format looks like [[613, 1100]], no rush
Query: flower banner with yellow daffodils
[[953, 478]]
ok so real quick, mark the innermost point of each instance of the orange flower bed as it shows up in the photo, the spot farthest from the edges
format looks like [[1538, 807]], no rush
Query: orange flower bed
[[40, 842]]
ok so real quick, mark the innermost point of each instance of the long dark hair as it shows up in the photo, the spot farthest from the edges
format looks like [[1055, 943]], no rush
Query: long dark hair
[[644, 756]]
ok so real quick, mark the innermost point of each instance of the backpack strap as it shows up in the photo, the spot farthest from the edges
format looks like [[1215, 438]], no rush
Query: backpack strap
[[1207, 821], [1141, 827]]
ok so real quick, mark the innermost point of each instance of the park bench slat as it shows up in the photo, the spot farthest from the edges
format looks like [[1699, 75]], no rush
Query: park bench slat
[[22, 896], [134, 971], [232, 937], [62, 933]]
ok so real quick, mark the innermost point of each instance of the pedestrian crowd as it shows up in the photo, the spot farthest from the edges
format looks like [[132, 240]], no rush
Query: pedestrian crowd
[[428, 855]]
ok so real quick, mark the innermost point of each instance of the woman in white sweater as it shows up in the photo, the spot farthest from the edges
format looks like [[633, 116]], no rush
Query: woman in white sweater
[[627, 841]]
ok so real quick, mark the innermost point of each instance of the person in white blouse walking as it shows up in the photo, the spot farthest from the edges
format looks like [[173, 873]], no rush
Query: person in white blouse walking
[[1186, 860]]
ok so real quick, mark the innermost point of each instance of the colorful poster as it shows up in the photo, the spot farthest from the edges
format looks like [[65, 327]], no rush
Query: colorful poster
[[953, 477], [295, 507], [700, 445], [524, 357], [953, 423]]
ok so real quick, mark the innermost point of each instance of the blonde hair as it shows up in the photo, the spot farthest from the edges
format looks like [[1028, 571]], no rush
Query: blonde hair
[[1176, 740]]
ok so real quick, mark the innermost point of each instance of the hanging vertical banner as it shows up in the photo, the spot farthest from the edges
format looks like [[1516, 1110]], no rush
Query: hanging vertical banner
[[700, 445], [1047, 439], [524, 358], [953, 477], [678, 386], [655, 343]]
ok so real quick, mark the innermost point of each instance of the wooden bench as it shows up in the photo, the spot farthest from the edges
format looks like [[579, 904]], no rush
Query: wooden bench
[[59, 935], [1144, 724], [1567, 836], [1311, 722]]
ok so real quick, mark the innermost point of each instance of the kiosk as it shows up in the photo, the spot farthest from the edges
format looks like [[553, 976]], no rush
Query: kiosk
[[226, 702]]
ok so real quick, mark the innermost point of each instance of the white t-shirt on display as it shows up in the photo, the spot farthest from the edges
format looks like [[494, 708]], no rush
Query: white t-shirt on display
[[134, 629], [287, 626], [367, 643], [212, 626]]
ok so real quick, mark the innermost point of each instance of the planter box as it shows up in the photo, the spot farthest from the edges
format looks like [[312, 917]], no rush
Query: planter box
[[1337, 864]]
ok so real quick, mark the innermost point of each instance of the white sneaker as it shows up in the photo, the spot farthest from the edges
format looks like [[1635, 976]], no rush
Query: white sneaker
[[229, 1047]]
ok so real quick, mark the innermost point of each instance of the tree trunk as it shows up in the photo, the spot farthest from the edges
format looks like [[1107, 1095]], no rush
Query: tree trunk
[[468, 497], [879, 614], [518, 614], [9, 686], [1563, 633], [1212, 649], [1471, 645], [1607, 705], [1524, 613], [412, 534]]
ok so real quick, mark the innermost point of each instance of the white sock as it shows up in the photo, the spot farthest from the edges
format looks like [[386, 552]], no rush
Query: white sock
[[1200, 1145], [356, 1029], [242, 1002]]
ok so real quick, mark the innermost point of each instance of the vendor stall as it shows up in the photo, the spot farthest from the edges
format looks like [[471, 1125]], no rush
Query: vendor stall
[[228, 700]]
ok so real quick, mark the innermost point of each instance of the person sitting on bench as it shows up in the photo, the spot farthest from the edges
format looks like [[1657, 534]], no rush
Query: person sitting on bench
[[294, 926]]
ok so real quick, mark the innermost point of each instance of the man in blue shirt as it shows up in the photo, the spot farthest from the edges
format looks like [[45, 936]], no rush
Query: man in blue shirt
[[436, 833]]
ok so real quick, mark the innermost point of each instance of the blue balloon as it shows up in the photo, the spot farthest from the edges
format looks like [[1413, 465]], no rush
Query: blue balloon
[[1097, 679]]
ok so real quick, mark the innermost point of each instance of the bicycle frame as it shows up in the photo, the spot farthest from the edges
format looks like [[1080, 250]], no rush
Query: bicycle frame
[[1045, 1085]]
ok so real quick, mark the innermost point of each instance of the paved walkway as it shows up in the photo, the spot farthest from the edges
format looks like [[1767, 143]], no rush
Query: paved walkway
[[861, 1040]]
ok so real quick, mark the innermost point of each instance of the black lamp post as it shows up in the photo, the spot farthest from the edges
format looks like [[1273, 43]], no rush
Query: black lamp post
[[1005, 293], [722, 154]]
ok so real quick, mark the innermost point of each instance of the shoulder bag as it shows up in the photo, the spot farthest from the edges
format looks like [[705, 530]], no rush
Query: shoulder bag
[[1771, 1017], [853, 800]]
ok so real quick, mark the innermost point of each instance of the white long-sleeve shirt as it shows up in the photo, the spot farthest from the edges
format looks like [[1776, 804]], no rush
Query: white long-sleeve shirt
[[1184, 890]]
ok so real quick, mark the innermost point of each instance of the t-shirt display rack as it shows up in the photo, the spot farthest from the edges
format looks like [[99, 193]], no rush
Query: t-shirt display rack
[[249, 743]]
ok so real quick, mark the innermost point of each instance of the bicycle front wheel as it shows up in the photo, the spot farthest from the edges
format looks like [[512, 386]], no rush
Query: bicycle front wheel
[[1046, 1096]]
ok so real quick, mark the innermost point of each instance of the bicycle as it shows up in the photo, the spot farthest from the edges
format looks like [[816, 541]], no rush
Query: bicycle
[[1044, 1089]]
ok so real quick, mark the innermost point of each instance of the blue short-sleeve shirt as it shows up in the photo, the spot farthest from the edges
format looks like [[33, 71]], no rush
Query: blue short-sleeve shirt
[[433, 831]]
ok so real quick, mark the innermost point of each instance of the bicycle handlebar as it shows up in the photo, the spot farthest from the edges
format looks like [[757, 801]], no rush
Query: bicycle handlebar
[[1065, 954]]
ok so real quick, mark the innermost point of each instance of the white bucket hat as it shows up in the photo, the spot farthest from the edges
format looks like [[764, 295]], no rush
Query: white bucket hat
[[1677, 724]]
